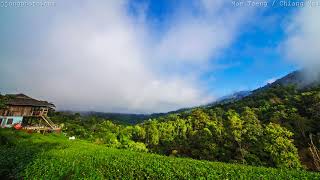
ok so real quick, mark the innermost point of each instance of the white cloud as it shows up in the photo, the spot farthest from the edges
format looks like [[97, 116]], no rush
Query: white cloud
[[197, 38], [97, 57], [270, 81], [302, 45]]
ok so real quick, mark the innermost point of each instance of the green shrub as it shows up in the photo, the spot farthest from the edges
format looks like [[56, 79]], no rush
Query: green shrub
[[55, 157]]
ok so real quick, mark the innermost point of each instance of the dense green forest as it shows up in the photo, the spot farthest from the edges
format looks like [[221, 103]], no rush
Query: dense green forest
[[123, 118], [272, 127]]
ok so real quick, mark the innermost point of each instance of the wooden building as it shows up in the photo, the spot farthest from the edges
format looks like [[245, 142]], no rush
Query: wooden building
[[29, 112]]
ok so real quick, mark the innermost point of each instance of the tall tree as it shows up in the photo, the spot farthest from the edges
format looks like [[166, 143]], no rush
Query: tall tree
[[279, 145], [237, 130]]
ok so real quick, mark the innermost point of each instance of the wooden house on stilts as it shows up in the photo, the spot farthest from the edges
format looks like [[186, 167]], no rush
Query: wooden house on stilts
[[27, 113]]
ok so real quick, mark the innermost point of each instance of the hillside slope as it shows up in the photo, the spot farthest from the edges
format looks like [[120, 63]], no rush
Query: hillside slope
[[300, 78], [297, 78], [54, 157]]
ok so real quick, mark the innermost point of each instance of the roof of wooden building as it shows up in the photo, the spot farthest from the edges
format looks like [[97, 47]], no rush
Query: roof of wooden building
[[24, 100]]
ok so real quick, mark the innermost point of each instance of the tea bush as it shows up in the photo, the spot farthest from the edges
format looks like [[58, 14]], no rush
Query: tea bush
[[36, 156]]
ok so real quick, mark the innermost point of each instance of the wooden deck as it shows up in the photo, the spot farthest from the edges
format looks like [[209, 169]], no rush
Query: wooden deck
[[41, 129]]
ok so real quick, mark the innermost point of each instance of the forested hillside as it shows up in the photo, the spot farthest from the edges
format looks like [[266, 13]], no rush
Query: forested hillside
[[271, 127], [275, 126]]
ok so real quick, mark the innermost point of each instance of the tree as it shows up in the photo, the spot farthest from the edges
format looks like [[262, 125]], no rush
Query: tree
[[253, 129], [3, 100], [152, 133], [280, 147], [216, 125], [237, 130], [138, 133], [251, 135], [111, 140], [199, 119]]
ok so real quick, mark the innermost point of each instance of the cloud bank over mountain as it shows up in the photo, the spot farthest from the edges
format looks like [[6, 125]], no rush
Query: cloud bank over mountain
[[97, 56], [302, 45]]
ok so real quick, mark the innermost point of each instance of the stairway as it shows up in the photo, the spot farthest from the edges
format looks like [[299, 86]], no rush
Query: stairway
[[49, 122]]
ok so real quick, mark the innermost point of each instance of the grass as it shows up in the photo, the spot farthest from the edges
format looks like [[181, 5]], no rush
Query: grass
[[36, 156]]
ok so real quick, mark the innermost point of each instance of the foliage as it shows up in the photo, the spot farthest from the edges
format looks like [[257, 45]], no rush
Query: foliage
[[267, 128], [296, 110], [3, 100], [280, 147], [124, 119], [215, 135], [36, 156]]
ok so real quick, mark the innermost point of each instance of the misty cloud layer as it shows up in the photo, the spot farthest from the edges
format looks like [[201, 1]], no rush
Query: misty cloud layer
[[96, 56], [100, 56], [303, 44]]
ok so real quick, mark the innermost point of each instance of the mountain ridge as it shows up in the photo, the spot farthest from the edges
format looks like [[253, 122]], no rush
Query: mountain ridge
[[297, 78]]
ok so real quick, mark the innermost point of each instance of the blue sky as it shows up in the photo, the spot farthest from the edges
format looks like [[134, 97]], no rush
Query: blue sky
[[251, 60], [143, 56]]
